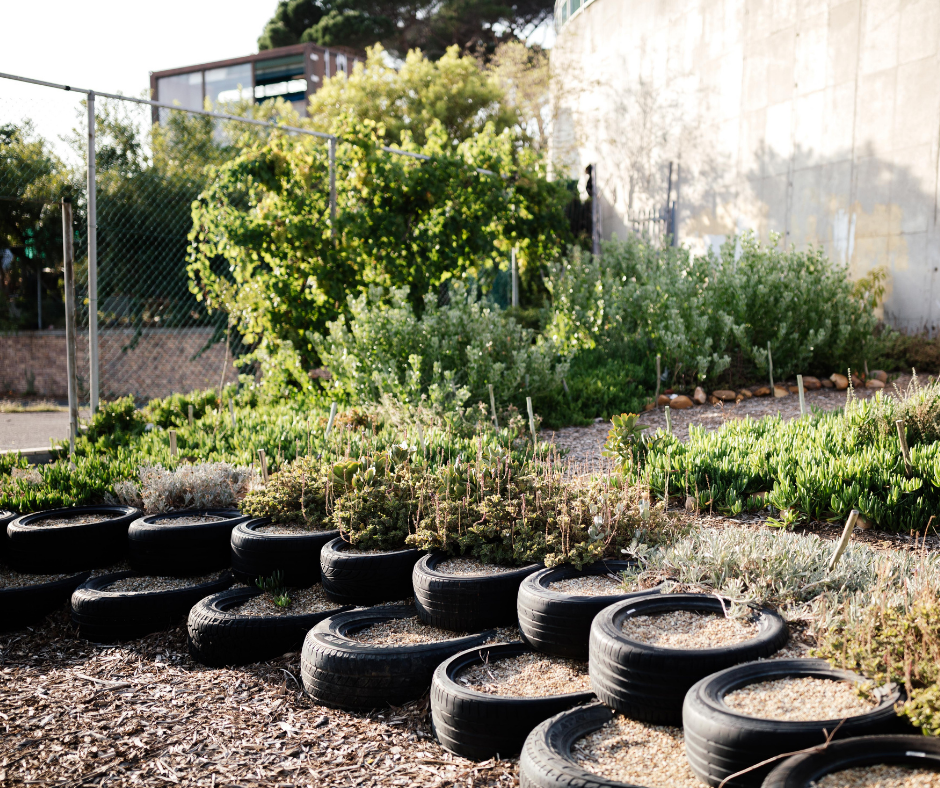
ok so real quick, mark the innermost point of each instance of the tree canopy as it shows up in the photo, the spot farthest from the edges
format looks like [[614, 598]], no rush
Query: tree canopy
[[429, 25]]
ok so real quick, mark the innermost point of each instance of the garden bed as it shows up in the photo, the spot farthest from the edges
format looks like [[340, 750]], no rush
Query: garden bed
[[302, 600], [142, 584], [527, 676], [403, 632], [799, 699], [592, 585], [471, 566], [688, 630], [880, 776]]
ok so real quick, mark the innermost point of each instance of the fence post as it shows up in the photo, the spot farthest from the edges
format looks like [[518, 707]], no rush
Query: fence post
[[68, 256], [92, 259], [595, 213], [332, 187], [675, 208], [515, 279]]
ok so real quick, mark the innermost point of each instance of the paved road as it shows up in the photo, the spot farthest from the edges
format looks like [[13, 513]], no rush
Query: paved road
[[32, 430]]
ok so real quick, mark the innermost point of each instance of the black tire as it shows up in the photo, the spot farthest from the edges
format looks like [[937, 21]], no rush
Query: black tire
[[558, 623], [24, 605], [69, 548], [218, 636], [546, 760], [182, 550], [105, 617], [798, 771], [257, 555], [720, 742], [478, 725], [466, 603], [648, 683], [5, 518], [366, 578], [346, 674]]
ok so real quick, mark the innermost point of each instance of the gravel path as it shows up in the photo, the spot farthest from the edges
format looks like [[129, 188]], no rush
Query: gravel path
[[527, 676], [682, 629], [799, 699]]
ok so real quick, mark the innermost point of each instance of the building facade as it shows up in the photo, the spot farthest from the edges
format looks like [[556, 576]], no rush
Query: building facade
[[818, 120], [293, 73]]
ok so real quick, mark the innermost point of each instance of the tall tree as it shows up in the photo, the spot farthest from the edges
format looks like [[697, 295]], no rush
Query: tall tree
[[429, 25]]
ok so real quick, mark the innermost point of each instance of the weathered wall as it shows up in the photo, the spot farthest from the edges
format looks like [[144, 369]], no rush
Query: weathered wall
[[818, 120], [162, 362]]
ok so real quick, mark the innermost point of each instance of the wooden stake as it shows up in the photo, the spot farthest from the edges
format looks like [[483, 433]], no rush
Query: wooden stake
[[564, 384], [190, 415], [231, 409], [905, 452], [493, 405], [421, 438], [296, 449], [668, 420], [799, 383], [844, 541], [263, 462], [172, 443], [770, 367], [329, 424], [528, 404], [659, 375]]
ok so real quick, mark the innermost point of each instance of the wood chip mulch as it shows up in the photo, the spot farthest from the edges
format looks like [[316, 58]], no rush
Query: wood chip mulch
[[144, 714]]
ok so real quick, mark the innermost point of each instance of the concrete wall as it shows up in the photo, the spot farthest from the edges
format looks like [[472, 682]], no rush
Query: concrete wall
[[162, 362], [818, 120]]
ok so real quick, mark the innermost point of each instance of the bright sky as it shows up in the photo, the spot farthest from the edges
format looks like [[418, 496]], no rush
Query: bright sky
[[112, 46]]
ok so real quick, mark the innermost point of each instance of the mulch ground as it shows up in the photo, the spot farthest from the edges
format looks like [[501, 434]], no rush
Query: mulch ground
[[144, 714]]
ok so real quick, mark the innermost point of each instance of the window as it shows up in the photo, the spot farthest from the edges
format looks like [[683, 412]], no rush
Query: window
[[341, 63], [231, 83], [182, 89], [281, 77]]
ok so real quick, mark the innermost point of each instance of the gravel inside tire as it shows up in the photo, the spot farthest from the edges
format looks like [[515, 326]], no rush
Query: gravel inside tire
[[352, 578], [219, 636], [164, 548], [21, 606], [257, 554], [799, 771], [647, 682], [344, 673], [480, 725], [108, 617], [466, 603], [69, 548], [559, 623], [546, 760], [721, 742]]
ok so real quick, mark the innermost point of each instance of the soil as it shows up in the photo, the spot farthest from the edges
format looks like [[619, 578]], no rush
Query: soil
[[195, 520], [688, 630], [148, 583], [11, 579], [75, 519], [527, 676], [302, 601], [471, 566]]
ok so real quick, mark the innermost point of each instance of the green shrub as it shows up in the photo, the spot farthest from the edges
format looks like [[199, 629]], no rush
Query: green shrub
[[297, 494]]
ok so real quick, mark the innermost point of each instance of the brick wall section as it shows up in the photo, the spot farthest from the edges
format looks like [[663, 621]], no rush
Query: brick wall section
[[163, 362]]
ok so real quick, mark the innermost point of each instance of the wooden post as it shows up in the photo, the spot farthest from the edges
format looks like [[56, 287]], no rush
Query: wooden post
[[659, 374], [668, 420], [799, 383], [190, 415], [564, 385], [231, 409], [528, 404], [421, 438], [844, 541], [770, 367], [263, 461], [905, 452], [515, 279], [172, 443], [71, 361], [493, 405], [329, 423], [296, 449]]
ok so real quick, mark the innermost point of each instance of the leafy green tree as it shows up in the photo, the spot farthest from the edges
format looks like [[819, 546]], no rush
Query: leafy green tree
[[430, 25], [453, 91]]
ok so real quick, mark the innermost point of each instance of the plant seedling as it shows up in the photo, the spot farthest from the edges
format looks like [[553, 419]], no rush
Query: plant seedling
[[274, 587]]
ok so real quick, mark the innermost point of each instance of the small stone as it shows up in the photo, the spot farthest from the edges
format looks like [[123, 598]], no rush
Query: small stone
[[781, 391], [699, 396], [880, 374], [874, 384], [648, 407], [857, 382], [826, 383], [713, 400], [793, 389], [762, 391], [689, 503], [841, 382], [863, 523], [810, 383], [745, 393], [681, 402], [725, 395], [738, 398], [663, 399]]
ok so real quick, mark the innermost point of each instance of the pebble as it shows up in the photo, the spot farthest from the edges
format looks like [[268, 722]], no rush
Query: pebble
[[11, 579], [470, 566], [194, 520], [403, 632], [882, 775], [688, 630], [799, 699], [527, 676], [293, 529], [144, 583], [302, 601], [637, 754], [589, 585], [75, 519]]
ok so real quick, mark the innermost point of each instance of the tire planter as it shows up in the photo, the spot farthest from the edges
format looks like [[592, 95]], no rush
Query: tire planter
[[24, 605], [218, 636], [185, 549], [5, 518], [546, 760], [648, 683], [69, 548], [257, 554], [105, 617], [557, 623], [346, 674], [366, 578], [478, 725], [798, 771], [720, 741], [466, 603]]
